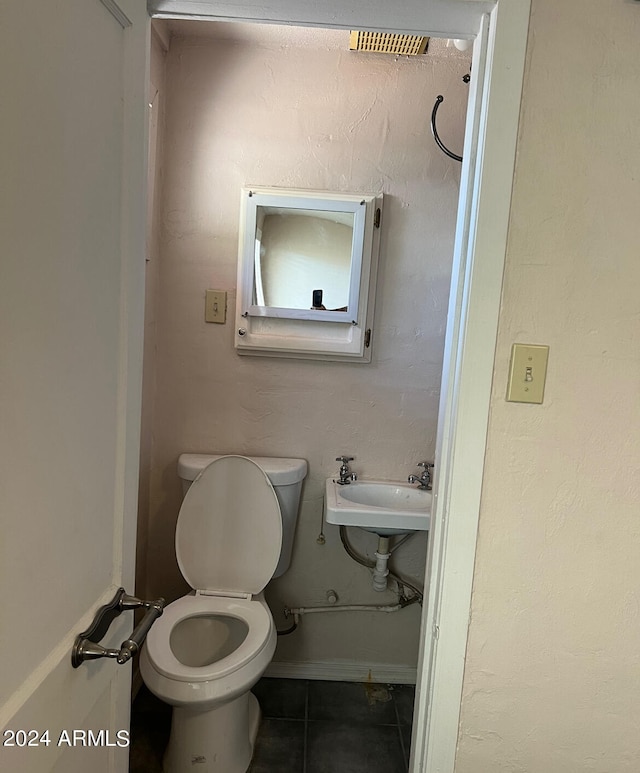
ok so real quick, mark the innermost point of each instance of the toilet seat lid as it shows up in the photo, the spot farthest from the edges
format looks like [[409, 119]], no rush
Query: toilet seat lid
[[229, 530]]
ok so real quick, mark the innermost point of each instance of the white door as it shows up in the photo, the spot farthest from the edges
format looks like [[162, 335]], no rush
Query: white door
[[72, 223]]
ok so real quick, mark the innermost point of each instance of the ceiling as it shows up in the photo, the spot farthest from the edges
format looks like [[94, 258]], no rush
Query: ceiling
[[280, 36]]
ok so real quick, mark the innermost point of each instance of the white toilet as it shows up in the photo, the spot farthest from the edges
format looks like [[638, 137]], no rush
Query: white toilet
[[234, 533]]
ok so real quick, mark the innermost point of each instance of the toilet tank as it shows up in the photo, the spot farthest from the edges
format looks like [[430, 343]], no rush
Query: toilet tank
[[286, 476]]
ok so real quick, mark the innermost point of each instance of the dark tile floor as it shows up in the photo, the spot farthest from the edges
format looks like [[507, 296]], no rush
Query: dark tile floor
[[307, 727]]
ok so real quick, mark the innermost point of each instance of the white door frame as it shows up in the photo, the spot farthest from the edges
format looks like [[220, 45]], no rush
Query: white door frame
[[500, 30], [474, 305]]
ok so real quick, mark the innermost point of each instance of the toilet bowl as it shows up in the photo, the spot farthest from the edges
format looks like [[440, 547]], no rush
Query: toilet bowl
[[211, 646]]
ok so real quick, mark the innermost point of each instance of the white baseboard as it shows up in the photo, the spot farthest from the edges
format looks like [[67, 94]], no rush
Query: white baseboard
[[340, 671]]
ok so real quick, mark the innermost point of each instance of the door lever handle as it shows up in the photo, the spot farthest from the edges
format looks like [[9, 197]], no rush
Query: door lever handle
[[87, 646]]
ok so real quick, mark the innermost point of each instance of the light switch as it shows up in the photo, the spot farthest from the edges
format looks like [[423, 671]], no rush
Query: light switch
[[215, 306], [527, 373]]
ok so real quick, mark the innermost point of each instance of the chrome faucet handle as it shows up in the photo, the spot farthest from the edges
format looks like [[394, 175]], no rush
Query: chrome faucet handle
[[424, 481], [346, 476]]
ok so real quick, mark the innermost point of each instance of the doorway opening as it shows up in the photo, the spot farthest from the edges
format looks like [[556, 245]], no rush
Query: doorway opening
[[242, 104], [473, 236]]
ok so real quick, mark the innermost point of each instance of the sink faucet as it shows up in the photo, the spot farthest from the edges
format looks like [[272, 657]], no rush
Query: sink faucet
[[346, 476], [424, 479]]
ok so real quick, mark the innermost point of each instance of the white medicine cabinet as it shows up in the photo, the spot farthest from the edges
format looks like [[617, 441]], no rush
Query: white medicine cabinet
[[307, 265]]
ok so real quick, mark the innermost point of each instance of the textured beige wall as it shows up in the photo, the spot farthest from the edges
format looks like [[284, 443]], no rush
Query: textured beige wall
[[553, 662], [242, 113]]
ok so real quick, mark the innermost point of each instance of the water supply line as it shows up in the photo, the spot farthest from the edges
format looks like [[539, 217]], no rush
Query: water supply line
[[291, 629], [295, 611], [332, 598], [384, 573], [400, 581]]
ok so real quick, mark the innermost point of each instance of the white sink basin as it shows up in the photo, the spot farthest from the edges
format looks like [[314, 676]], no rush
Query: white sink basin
[[380, 506]]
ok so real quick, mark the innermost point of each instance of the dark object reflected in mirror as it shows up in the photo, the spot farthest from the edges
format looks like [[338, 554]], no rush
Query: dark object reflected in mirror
[[316, 302]]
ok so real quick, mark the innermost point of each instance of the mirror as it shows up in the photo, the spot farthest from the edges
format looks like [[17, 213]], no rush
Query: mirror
[[306, 266], [303, 258]]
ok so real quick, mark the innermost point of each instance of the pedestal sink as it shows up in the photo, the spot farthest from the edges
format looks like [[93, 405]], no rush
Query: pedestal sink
[[382, 507]]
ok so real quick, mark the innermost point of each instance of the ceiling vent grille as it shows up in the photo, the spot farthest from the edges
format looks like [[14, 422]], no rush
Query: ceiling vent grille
[[387, 43]]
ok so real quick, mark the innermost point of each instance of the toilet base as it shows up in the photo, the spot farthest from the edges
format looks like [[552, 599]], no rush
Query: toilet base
[[220, 740]]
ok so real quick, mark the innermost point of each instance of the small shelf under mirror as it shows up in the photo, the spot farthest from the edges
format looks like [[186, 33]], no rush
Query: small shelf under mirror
[[307, 264]]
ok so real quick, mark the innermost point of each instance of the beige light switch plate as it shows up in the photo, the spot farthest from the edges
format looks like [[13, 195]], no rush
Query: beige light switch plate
[[215, 306], [527, 373]]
